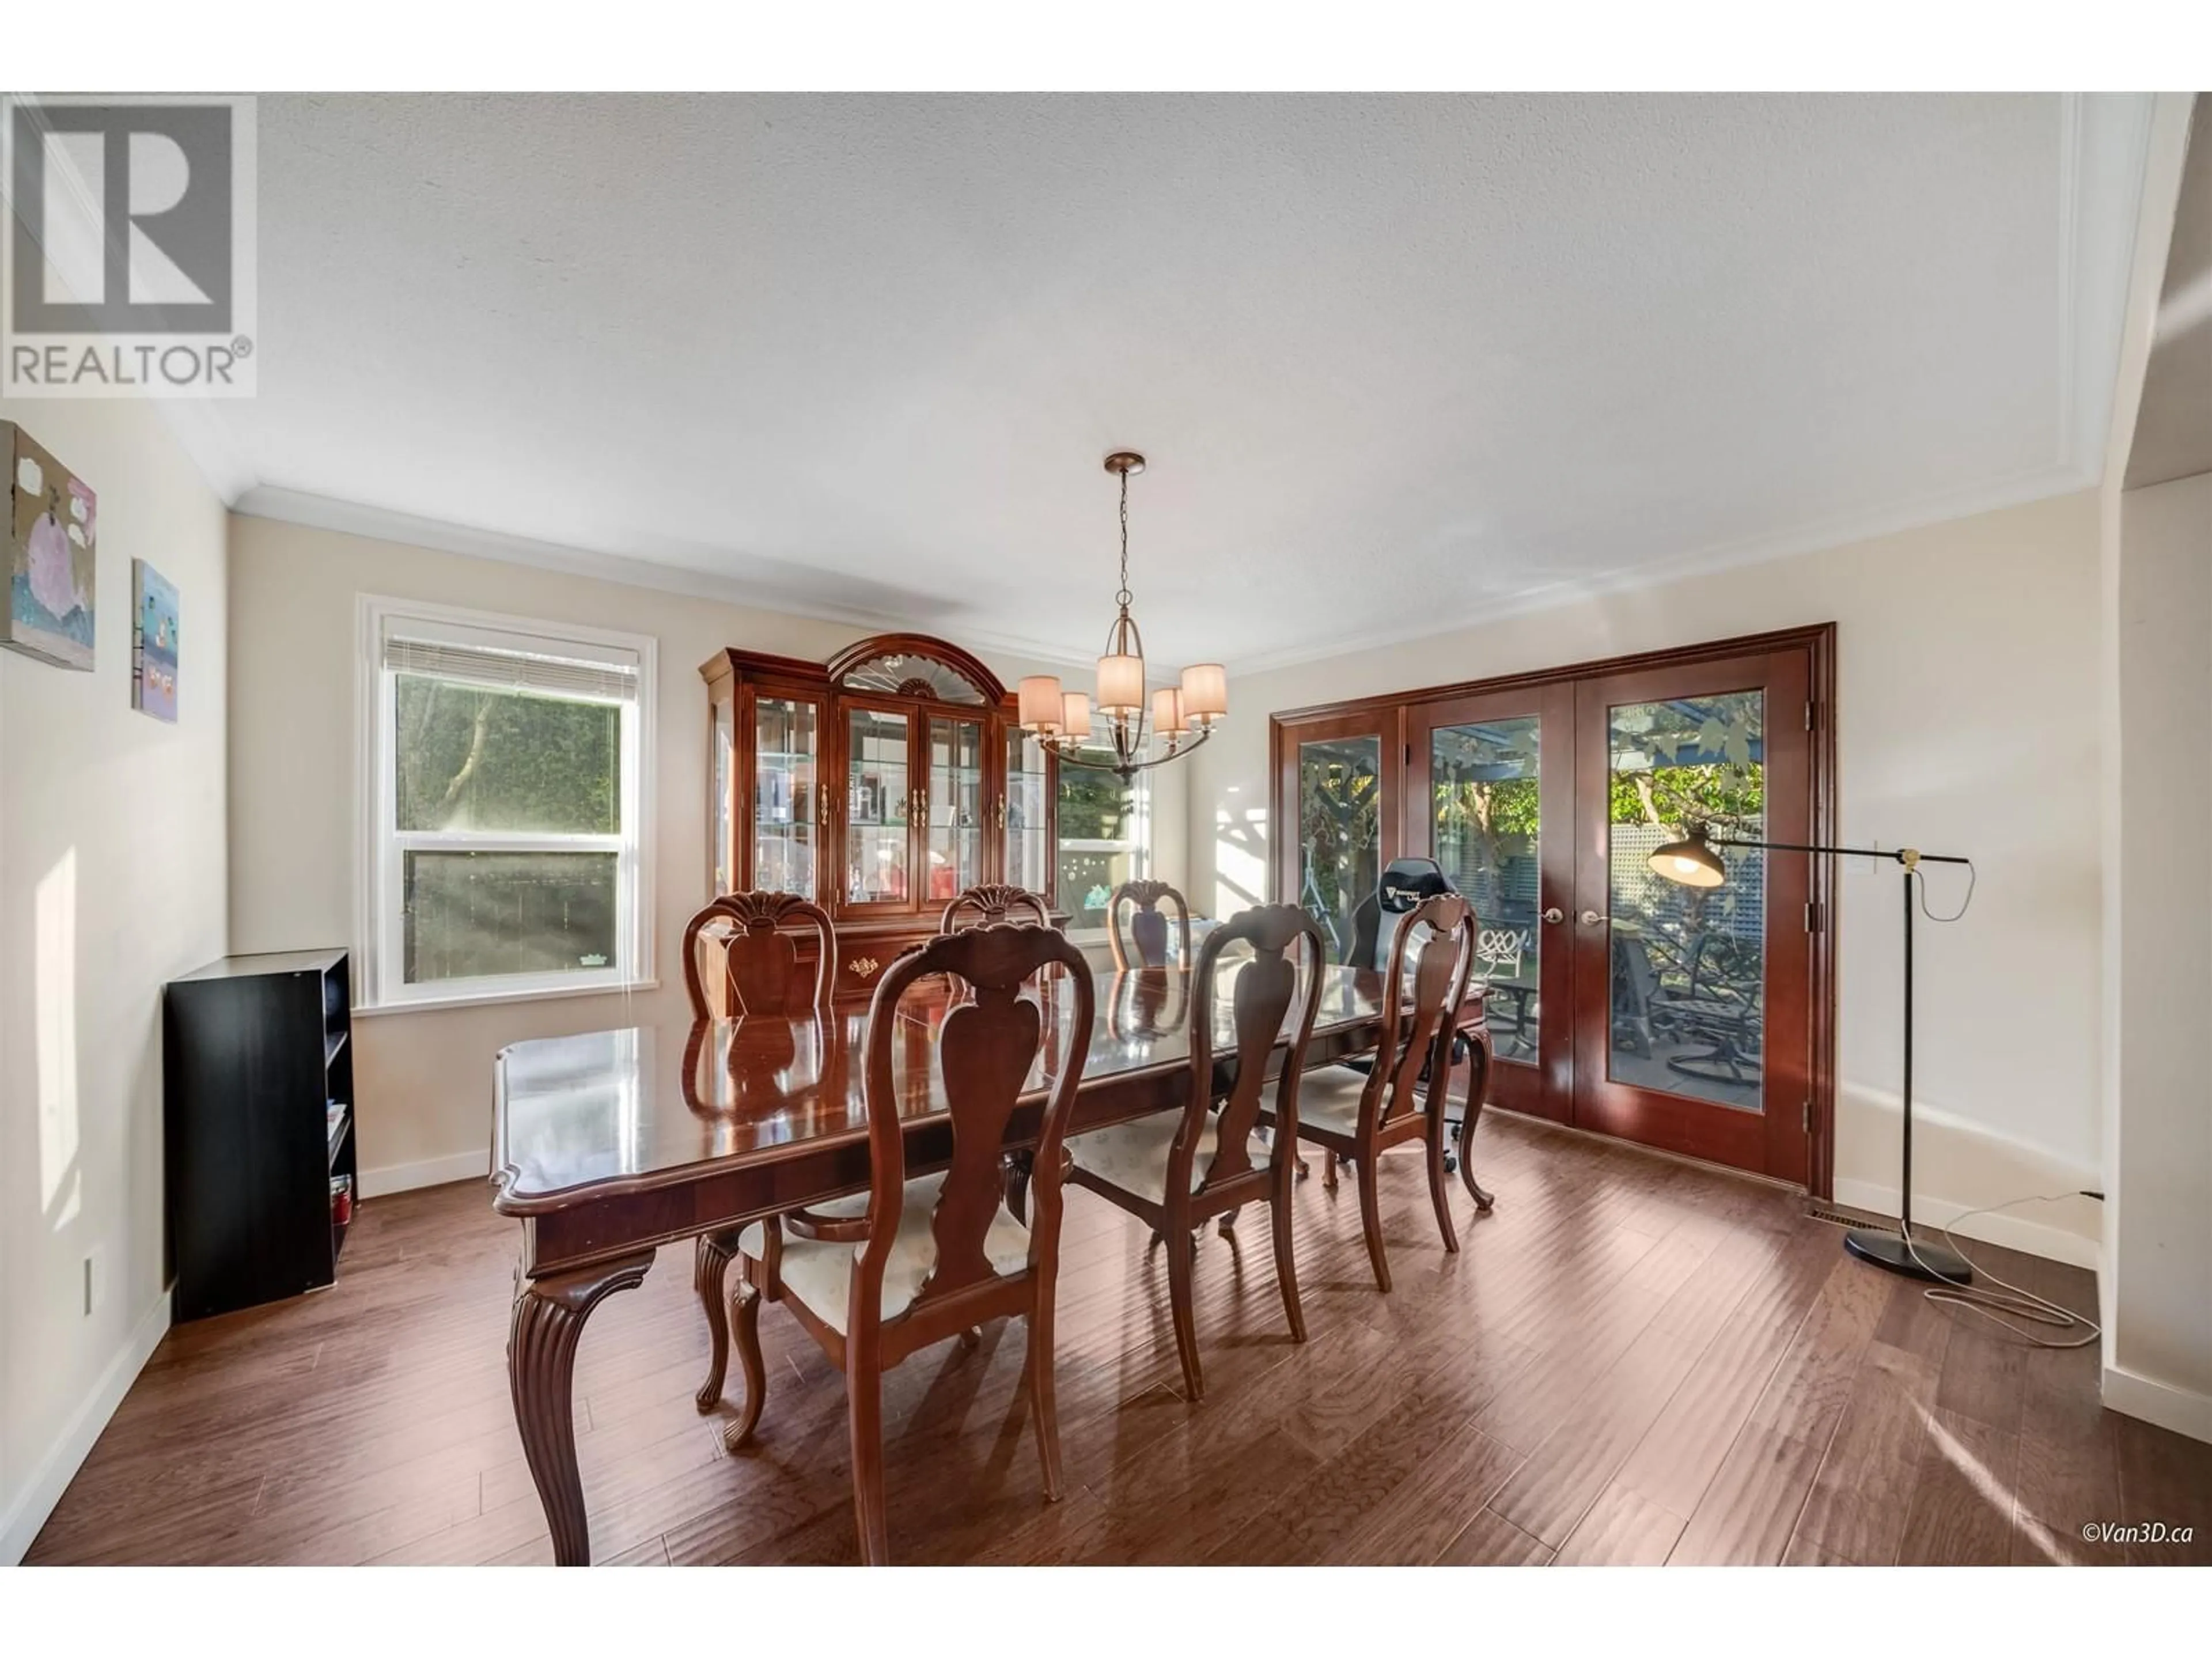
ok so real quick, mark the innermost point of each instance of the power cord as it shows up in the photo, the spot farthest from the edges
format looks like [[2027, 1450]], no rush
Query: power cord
[[2015, 1300]]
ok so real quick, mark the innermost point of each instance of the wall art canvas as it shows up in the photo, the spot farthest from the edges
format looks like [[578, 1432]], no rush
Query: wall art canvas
[[52, 527], [153, 642]]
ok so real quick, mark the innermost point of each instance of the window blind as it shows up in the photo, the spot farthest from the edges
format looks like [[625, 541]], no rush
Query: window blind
[[606, 679]]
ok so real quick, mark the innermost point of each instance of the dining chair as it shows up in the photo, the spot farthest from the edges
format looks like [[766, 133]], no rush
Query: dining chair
[[760, 968], [1179, 1169], [1149, 943], [1358, 1117], [757, 972], [918, 1258], [993, 901]]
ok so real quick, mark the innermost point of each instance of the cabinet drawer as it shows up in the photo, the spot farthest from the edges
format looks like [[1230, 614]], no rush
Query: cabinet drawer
[[862, 958]]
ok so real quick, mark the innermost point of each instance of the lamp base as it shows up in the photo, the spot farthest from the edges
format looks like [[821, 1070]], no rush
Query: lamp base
[[1922, 1259]]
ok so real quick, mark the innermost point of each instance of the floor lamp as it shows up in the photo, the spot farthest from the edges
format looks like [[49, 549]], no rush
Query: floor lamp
[[1694, 862]]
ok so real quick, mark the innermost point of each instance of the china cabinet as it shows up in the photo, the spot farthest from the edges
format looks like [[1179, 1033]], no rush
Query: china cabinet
[[879, 784]]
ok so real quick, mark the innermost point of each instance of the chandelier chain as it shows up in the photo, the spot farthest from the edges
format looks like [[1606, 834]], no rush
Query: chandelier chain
[[1123, 596]]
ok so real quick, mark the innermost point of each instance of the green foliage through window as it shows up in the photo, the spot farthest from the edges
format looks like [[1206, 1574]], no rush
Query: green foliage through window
[[467, 757]]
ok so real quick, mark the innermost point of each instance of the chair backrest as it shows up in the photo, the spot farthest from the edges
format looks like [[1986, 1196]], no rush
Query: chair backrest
[[1272, 987], [1418, 1022], [986, 1047], [1148, 940], [992, 903], [759, 970], [1387, 912]]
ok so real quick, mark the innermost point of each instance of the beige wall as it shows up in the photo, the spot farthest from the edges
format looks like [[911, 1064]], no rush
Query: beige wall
[[424, 1079], [111, 882], [2160, 1299], [1966, 721]]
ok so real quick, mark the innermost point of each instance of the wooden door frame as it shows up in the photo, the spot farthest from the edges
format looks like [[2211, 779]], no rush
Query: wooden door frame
[[1392, 710]]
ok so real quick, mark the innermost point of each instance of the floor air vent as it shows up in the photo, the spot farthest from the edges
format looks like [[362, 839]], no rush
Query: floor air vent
[[1836, 1218]]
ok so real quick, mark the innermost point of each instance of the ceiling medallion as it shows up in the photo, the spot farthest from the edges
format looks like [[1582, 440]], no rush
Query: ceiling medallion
[[1136, 733]]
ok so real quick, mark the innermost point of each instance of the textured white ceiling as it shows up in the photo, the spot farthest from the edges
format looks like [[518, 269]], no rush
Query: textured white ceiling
[[1399, 361]]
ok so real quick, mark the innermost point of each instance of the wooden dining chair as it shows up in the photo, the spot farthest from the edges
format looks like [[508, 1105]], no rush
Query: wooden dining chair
[[1148, 943], [1358, 1117], [991, 903], [1179, 1169], [759, 959], [917, 1259], [757, 971]]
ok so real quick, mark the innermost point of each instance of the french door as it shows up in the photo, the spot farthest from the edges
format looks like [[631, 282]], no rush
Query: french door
[[1490, 791], [1618, 1001], [1692, 1025], [1342, 779]]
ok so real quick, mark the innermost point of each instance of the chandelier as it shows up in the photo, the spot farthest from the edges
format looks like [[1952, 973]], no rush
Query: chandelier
[[1137, 732]]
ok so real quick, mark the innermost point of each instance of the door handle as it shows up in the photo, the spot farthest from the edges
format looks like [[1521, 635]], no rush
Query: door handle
[[1555, 915], [1591, 918]]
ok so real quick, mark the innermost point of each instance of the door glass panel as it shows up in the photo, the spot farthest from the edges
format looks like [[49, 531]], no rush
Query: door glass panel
[[784, 749], [1028, 851], [1339, 833], [1688, 964], [956, 807], [1483, 813], [876, 800]]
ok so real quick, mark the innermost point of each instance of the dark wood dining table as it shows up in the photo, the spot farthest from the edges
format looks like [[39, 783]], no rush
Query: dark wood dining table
[[610, 1144]]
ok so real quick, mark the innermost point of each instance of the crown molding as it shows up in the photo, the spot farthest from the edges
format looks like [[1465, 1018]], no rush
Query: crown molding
[[2105, 149], [383, 523], [2017, 491]]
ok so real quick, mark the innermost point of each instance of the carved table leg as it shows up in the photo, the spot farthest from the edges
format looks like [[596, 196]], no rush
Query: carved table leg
[[708, 1267], [1478, 1085], [541, 1364]]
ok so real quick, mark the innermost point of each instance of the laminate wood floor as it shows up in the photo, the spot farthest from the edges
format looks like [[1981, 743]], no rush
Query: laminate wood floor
[[1632, 1360]]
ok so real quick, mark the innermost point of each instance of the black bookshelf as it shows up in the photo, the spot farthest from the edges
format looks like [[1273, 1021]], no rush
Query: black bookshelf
[[256, 1050]]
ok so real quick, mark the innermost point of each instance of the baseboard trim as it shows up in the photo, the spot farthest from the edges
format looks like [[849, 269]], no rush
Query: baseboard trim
[[2161, 1403], [2011, 1231], [19, 1529], [431, 1172]]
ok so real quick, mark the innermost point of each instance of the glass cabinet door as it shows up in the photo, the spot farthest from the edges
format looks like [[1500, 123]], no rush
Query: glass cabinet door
[[877, 796], [722, 873], [1026, 810], [786, 807], [954, 849]]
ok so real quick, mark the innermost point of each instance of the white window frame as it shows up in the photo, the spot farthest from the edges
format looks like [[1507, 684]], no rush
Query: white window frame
[[1139, 844], [381, 847]]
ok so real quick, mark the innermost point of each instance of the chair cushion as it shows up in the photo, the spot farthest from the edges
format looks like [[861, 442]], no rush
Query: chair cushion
[[821, 1274], [1134, 1156], [1328, 1098]]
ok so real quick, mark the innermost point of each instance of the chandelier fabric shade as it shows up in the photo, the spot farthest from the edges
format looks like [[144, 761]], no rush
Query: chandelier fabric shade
[[1204, 691], [1038, 696], [1141, 729], [1120, 685]]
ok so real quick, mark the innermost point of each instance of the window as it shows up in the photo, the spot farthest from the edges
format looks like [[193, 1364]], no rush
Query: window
[[1105, 839], [506, 806]]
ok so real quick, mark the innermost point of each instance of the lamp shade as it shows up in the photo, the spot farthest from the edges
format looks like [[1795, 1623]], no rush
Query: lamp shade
[[1039, 697], [1690, 861], [1120, 685], [1075, 714], [1167, 712], [1205, 692]]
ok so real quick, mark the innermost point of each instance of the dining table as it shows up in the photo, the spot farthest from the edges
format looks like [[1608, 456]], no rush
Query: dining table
[[608, 1145]]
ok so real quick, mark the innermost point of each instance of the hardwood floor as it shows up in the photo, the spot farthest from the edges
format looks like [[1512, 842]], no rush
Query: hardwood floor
[[1634, 1360]]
